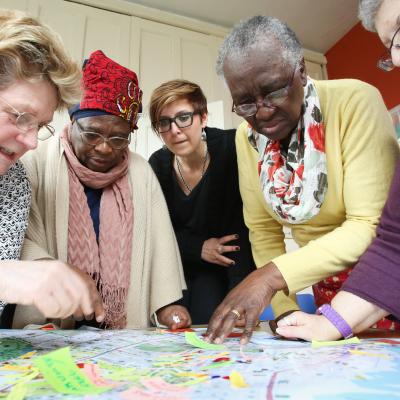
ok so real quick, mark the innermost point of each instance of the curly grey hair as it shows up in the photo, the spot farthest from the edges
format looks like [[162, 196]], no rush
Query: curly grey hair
[[259, 32], [367, 10]]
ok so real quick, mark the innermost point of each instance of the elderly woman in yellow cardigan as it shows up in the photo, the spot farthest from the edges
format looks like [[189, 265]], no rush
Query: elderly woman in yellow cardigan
[[314, 156]]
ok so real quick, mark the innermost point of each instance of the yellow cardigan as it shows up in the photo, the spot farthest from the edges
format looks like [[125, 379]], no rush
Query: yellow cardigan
[[361, 153]]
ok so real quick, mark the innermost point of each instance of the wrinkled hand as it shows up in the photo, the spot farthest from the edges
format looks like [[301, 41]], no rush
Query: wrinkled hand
[[98, 310], [213, 249], [53, 287], [249, 299], [307, 326], [174, 317]]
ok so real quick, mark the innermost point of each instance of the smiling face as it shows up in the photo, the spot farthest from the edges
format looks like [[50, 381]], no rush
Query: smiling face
[[387, 22], [261, 73], [36, 98], [102, 157], [183, 141]]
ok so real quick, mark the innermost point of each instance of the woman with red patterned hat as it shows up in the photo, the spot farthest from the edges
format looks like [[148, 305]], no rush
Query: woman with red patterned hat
[[99, 207]]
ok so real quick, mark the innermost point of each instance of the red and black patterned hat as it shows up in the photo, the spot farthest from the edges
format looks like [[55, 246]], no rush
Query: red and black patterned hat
[[109, 88]]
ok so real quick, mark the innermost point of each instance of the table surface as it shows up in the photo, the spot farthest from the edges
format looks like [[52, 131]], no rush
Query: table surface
[[154, 364]]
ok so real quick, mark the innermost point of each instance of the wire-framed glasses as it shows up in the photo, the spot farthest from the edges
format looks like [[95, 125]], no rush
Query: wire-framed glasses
[[385, 63], [181, 121], [94, 138], [27, 122], [271, 100]]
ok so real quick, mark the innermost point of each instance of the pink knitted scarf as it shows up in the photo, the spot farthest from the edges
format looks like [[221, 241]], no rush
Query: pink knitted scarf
[[109, 262]]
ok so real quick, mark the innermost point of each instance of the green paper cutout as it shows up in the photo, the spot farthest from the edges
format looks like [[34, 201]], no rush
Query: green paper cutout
[[194, 340], [60, 371]]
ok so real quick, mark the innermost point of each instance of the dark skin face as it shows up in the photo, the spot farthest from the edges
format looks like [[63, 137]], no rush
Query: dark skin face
[[100, 158], [261, 73]]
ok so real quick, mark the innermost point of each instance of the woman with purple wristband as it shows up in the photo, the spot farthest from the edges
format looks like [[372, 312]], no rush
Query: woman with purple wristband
[[373, 289]]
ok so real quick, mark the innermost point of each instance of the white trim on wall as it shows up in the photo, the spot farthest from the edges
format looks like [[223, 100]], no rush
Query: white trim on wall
[[153, 14]]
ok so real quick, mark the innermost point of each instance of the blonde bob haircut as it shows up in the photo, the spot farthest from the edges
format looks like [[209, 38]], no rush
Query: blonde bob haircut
[[31, 51], [174, 90]]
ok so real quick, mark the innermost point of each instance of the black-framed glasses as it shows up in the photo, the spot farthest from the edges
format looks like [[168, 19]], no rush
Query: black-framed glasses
[[95, 138], [27, 122], [271, 100], [385, 63], [181, 121]]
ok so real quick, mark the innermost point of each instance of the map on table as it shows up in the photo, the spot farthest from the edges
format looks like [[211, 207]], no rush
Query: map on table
[[135, 364]]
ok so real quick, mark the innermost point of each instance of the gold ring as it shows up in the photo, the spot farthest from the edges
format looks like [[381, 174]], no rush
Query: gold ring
[[236, 312]]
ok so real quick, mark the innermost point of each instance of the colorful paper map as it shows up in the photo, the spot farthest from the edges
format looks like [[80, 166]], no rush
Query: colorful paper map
[[134, 364]]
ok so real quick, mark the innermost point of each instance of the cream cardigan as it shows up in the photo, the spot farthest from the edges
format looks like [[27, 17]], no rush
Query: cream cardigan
[[156, 277]]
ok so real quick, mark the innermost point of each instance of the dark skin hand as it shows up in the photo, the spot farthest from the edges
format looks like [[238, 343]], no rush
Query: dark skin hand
[[166, 315], [249, 298]]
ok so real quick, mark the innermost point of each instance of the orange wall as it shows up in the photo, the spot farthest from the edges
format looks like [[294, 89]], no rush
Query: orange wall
[[355, 56]]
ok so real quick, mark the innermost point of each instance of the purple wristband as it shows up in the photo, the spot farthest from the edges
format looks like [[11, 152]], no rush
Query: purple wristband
[[340, 324]]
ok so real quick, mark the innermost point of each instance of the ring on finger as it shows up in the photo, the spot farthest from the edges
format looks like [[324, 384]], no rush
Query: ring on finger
[[235, 312], [288, 321], [220, 250]]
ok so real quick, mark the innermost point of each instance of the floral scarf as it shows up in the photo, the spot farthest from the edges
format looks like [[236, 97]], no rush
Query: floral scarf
[[294, 185]]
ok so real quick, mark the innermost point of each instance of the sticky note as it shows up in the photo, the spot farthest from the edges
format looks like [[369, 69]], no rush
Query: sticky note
[[237, 380], [316, 344], [60, 371], [194, 340]]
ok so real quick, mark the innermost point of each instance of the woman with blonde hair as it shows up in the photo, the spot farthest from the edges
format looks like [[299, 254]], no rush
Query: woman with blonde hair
[[198, 174], [37, 77]]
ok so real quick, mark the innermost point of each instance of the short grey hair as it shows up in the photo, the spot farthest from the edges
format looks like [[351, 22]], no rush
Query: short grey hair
[[259, 32], [367, 10]]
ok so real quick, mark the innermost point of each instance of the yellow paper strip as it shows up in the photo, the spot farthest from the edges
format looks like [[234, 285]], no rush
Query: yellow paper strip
[[18, 392], [237, 380], [365, 353], [316, 344]]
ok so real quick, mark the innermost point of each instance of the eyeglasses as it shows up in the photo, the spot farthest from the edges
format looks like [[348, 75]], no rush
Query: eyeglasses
[[271, 100], [385, 63], [27, 122], [94, 139], [181, 121]]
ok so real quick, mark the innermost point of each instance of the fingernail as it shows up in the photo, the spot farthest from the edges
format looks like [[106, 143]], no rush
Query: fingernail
[[237, 236], [233, 263], [218, 340], [278, 331], [100, 318], [237, 248]]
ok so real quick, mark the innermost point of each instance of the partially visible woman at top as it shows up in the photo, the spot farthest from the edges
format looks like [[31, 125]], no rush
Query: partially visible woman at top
[[198, 173], [373, 289], [36, 77]]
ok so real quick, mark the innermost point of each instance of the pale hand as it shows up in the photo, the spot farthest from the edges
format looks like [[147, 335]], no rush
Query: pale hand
[[214, 248], [169, 315], [53, 287], [307, 327]]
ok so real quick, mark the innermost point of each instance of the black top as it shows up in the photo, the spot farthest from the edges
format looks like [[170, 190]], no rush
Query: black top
[[218, 205]]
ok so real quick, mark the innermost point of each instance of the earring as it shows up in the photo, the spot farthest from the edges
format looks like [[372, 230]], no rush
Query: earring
[[203, 135]]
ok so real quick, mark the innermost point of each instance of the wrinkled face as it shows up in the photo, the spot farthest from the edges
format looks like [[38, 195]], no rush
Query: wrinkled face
[[36, 98], [387, 22], [250, 79], [182, 141], [101, 157]]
